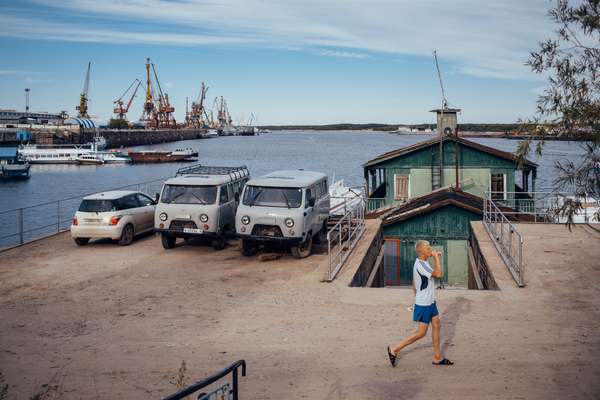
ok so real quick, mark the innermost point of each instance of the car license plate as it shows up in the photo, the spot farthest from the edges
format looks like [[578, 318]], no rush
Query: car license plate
[[192, 230]]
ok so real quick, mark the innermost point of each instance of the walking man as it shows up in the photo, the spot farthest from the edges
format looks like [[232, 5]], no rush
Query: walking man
[[425, 309]]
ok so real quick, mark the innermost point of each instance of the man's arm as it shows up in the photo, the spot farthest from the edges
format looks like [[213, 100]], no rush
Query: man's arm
[[438, 272]]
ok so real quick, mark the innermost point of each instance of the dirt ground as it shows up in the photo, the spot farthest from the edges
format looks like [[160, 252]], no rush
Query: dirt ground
[[108, 322]]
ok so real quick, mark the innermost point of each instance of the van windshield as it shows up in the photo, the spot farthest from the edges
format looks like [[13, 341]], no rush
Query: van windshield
[[98, 206], [272, 197], [183, 194]]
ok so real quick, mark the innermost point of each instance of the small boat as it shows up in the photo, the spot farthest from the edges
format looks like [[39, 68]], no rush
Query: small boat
[[115, 158], [343, 198], [11, 165], [212, 133], [188, 152], [153, 156], [90, 159]]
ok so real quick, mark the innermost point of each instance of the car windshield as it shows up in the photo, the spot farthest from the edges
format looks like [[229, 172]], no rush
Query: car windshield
[[272, 197], [98, 206], [182, 194]]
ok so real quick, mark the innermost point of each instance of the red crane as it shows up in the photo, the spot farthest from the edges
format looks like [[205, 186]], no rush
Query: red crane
[[121, 111]]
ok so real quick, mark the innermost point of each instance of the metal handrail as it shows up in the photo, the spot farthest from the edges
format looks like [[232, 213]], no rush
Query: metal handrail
[[493, 218], [232, 369], [344, 241]]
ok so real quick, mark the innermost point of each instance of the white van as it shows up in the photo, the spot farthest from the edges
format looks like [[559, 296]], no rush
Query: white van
[[200, 201], [287, 207]]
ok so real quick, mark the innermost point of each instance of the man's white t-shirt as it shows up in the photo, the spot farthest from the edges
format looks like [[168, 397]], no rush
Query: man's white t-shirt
[[424, 285]]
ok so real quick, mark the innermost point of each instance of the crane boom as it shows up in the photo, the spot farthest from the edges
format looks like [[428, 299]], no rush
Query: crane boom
[[437, 66], [83, 98]]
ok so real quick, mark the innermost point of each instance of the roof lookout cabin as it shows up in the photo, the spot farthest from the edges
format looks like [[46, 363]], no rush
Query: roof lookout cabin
[[447, 121]]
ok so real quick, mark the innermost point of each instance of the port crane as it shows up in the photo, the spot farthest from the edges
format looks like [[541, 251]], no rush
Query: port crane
[[121, 111], [223, 116], [165, 109], [198, 116], [82, 108], [158, 111], [149, 111]]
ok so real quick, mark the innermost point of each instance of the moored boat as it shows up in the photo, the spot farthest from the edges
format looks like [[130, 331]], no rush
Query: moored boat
[[90, 159], [11, 165], [112, 157], [153, 156]]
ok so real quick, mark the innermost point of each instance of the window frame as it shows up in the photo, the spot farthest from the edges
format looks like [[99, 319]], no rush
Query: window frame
[[396, 197]]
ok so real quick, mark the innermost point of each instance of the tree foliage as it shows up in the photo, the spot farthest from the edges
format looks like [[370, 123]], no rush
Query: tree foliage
[[570, 104]]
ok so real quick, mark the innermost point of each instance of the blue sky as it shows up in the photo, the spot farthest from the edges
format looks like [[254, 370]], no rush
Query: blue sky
[[287, 61]]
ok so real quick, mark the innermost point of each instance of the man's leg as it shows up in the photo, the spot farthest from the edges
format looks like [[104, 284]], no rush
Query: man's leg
[[421, 332], [436, 325]]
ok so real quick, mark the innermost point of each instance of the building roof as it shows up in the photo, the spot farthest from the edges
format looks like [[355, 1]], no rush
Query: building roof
[[426, 143], [289, 179], [112, 195], [441, 198], [446, 110]]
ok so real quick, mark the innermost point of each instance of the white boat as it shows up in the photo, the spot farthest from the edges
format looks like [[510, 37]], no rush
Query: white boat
[[188, 152], [343, 198], [115, 158], [212, 133], [90, 159], [59, 153]]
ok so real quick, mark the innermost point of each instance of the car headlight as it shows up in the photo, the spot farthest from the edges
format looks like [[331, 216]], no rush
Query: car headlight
[[163, 216], [289, 222], [245, 220], [203, 217]]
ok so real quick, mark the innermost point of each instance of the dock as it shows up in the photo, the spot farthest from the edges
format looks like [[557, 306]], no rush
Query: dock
[[106, 322]]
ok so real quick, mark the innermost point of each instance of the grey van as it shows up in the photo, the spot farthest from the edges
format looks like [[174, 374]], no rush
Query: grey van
[[200, 201], [287, 207]]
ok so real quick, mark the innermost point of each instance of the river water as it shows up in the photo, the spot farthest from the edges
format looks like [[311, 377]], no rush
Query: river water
[[340, 154]]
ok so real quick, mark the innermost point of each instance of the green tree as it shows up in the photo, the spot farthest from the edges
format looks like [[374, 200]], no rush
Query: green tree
[[569, 107]]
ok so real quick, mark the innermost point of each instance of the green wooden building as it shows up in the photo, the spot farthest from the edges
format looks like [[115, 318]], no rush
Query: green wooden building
[[432, 190]]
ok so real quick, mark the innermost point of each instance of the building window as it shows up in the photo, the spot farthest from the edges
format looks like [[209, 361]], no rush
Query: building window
[[498, 186], [400, 187]]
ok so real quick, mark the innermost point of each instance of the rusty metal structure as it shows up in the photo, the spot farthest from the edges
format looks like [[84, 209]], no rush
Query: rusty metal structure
[[121, 108], [82, 108], [158, 111], [198, 117], [223, 115]]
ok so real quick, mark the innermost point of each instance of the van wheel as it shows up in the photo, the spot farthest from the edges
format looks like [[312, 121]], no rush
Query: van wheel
[[218, 243], [303, 249], [126, 235], [168, 241], [81, 241], [321, 237], [248, 248]]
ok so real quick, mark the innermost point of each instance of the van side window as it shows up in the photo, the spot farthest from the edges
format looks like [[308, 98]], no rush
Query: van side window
[[223, 197], [310, 193]]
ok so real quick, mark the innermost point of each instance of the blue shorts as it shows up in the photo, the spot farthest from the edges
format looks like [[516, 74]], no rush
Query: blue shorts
[[425, 313]]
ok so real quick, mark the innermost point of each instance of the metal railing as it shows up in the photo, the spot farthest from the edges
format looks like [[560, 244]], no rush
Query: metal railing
[[375, 204], [343, 237], [21, 225], [506, 238], [219, 393]]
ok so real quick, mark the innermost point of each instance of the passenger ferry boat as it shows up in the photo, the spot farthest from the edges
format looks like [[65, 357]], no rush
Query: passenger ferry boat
[[90, 159], [59, 154]]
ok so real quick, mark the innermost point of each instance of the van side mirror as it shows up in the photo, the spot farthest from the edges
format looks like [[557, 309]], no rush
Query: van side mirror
[[156, 198], [311, 202], [236, 196]]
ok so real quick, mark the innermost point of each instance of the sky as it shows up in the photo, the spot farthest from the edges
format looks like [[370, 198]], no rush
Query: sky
[[285, 61]]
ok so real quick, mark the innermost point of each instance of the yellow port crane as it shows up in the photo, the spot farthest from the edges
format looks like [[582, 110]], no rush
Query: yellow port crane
[[149, 114], [82, 108], [121, 111]]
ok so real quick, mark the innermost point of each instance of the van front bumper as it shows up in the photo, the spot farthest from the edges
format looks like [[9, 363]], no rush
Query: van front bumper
[[274, 239]]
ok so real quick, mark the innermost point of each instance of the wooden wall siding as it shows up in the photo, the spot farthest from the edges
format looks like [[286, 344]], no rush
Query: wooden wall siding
[[449, 222]]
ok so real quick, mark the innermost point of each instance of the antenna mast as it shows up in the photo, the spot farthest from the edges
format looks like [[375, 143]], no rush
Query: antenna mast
[[437, 66]]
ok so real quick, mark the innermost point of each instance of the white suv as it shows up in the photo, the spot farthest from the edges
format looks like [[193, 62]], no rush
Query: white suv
[[117, 215]]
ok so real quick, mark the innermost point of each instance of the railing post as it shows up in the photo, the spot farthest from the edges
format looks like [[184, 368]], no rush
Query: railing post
[[235, 384], [20, 225], [58, 216], [521, 261]]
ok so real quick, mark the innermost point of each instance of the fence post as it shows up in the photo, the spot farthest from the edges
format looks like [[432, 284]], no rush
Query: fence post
[[58, 216], [20, 225]]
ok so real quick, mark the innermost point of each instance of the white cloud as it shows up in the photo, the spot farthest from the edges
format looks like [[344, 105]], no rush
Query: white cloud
[[342, 54], [10, 72], [479, 38]]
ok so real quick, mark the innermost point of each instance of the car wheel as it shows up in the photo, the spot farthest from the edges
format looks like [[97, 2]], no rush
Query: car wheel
[[218, 243], [249, 248], [81, 241], [126, 235], [168, 241], [303, 249]]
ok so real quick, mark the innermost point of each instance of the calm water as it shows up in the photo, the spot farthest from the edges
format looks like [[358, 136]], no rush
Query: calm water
[[339, 154]]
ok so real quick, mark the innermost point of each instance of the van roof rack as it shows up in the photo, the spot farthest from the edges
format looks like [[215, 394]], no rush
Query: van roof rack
[[199, 169]]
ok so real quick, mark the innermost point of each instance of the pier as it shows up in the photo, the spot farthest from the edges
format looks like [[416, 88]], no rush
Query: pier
[[105, 321]]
